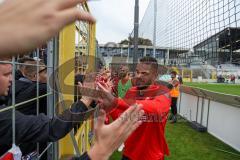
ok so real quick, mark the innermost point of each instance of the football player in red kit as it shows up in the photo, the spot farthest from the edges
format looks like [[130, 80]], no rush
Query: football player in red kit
[[148, 141]]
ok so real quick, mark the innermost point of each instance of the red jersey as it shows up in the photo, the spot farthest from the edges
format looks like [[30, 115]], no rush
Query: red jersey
[[148, 141]]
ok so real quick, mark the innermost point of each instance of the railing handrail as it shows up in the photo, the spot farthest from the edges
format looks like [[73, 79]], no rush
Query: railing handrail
[[229, 99]]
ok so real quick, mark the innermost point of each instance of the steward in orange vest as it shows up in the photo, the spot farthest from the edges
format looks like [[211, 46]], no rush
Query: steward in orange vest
[[174, 94]]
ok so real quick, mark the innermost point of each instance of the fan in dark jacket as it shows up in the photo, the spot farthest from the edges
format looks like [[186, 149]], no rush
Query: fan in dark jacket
[[41, 128], [31, 129], [25, 90], [19, 72]]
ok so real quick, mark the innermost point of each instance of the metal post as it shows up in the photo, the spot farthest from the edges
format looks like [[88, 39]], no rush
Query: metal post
[[13, 100], [55, 95], [128, 52], [208, 112], [231, 53], [231, 48], [202, 110], [129, 46], [121, 51], [197, 109], [145, 51], [167, 57], [37, 94], [180, 101], [50, 98], [136, 25], [154, 28]]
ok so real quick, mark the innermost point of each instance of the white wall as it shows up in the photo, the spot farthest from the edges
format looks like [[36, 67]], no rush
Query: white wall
[[223, 121]]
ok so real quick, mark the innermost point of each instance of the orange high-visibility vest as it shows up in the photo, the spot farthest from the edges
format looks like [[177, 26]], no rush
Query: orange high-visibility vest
[[175, 90]]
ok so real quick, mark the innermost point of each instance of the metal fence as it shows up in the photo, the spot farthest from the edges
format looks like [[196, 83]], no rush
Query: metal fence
[[54, 54]]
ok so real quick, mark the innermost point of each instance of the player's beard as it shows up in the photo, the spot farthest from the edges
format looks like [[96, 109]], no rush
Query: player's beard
[[141, 85]]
